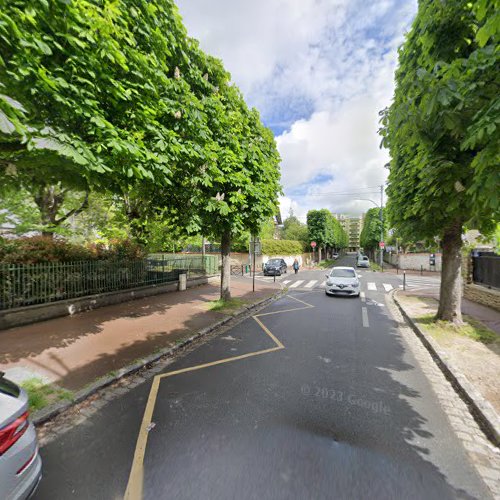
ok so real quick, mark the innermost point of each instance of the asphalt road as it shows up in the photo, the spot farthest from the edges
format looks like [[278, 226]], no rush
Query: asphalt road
[[343, 410]]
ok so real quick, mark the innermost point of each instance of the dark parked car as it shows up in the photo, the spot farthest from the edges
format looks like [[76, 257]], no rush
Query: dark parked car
[[20, 463], [275, 267]]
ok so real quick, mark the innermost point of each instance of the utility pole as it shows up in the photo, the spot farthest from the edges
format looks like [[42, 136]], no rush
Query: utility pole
[[381, 225]]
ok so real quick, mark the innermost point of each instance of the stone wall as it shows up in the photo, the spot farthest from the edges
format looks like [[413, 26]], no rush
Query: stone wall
[[413, 261], [482, 295]]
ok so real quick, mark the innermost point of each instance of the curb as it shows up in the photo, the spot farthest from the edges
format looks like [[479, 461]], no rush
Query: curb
[[482, 411], [49, 412]]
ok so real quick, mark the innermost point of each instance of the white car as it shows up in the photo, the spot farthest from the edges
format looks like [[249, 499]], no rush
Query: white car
[[363, 261], [20, 462], [342, 281]]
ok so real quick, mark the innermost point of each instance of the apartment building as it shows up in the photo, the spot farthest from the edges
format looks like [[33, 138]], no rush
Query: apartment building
[[352, 226]]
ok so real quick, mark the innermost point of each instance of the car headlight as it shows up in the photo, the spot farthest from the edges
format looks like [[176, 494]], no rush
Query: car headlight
[[329, 283]]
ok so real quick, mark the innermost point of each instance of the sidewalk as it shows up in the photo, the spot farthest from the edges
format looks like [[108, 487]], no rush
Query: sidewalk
[[477, 357], [74, 351]]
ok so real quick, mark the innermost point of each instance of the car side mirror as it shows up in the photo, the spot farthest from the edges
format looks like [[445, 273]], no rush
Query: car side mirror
[[327, 275]]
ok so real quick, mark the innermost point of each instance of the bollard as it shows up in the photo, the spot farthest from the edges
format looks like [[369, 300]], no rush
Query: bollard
[[421, 270], [182, 282], [397, 268], [404, 280], [275, 278], [242, 273]]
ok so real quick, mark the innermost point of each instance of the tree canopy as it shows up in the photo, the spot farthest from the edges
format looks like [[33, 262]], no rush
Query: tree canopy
[[115, 97], [325, 230], [371, 232], [442, 131]]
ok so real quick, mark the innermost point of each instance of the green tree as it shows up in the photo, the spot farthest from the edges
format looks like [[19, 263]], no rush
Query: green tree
[[92, 94], [293, 229], [371, 232], [442, 132], [325, 230]]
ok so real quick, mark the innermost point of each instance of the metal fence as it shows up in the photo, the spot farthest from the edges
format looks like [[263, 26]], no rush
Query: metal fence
[[29, 284], [486, 270]]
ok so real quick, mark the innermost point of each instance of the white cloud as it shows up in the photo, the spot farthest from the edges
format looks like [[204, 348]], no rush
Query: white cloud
[[319, 71]]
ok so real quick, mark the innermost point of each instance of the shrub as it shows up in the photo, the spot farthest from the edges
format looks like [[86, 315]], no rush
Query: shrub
[[282, 247], [37, 249]]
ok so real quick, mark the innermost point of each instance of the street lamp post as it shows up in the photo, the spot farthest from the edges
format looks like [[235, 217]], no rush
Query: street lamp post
[[381, 215]]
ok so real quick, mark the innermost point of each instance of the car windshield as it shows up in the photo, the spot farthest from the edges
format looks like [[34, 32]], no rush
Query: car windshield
[[342, 273], [274, 262]]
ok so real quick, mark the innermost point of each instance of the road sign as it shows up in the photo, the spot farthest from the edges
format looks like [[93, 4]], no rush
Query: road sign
[[313, 244], [256, 246], [381, 244]]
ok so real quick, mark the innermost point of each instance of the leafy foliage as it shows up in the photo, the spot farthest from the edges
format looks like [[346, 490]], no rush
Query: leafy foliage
[[371, 232], [293, 229], [325, 229], [282, 247], [39, 249], [442, 129]]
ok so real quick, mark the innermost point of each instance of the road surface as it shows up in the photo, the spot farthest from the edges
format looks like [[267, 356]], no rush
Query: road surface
[[317, 397]]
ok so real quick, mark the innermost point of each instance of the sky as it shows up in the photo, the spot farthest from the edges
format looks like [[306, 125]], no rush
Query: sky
[[319, 72]]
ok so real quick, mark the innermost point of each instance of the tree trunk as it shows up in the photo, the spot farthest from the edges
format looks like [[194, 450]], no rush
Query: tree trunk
[[225, 278], [319, 254], [450, 295]]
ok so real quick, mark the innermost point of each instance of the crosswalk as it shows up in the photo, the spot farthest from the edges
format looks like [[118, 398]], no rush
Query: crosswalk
[[418, 282], [412, 283]]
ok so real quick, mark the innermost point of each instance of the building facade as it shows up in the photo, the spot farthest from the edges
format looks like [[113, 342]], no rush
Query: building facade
[[352, 225]]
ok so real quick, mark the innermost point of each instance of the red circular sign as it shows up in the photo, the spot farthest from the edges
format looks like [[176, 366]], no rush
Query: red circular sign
[[381, 244], [313, 244]]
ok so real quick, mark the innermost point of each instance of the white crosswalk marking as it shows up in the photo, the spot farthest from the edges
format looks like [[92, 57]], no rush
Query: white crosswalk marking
[[387, 287], [323, 283], [286, 281], [311, 284], [371, 286], [296, 284], [422, 282]]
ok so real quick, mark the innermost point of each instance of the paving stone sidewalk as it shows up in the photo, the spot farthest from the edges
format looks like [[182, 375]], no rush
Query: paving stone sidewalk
[[484, 455], [75, 351]]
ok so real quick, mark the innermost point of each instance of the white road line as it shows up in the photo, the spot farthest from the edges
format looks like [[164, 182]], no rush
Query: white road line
[[296, 284], [371, 286], [311, 284], [364, 313], [286, 281], [363, 296], [387, 287]]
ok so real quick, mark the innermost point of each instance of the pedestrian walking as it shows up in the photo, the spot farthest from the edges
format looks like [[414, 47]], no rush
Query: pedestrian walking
[[296, 266]]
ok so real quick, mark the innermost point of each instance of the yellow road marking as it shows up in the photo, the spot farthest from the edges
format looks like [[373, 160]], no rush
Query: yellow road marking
[[136, 477], [135, 481]]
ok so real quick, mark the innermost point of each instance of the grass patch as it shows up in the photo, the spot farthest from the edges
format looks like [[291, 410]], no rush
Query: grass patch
[[225, 305], [41, 394], [325, 264], [472, 328]]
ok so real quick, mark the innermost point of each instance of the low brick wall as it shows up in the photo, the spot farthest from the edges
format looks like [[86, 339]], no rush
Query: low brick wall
[[482, 295], [41, 312]]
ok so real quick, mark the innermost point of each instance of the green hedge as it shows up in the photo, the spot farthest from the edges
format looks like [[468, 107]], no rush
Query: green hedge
[[40, 249], [282, 247]]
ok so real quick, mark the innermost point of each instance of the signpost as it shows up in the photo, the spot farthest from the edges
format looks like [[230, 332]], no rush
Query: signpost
[[255, 249], [313, 246]]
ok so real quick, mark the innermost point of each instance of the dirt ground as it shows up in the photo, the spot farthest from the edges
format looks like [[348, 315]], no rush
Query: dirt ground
[[478, 361]]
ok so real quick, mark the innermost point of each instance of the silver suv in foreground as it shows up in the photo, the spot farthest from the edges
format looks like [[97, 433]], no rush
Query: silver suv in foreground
[[20, 462]]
